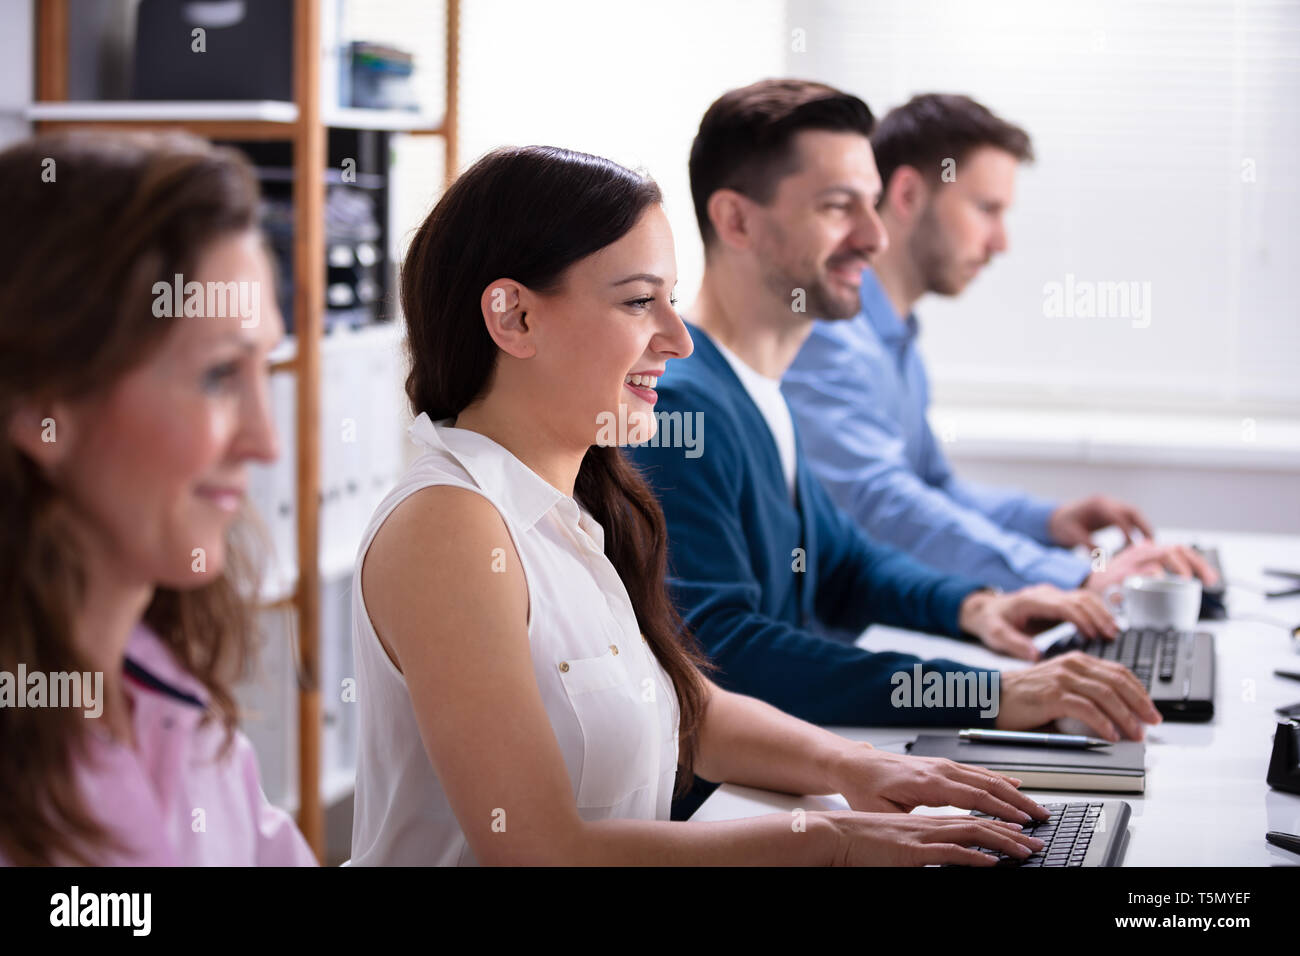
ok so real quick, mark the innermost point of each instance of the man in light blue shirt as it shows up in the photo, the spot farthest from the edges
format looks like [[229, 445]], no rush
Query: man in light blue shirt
[[859, 391]]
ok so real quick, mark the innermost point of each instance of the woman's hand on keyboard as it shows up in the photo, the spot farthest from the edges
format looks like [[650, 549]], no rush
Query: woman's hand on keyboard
[[875, 780], [901, 839]]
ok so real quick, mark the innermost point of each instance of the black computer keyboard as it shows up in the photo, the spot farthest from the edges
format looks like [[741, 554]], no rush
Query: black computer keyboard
[[1147, 652], [1077, 834], [1176, 667]]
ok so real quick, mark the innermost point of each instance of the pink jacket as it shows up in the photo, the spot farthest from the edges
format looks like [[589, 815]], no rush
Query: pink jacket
[[170, 800]]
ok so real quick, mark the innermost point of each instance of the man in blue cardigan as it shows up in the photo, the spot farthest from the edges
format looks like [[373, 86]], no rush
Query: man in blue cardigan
[[772, 578]]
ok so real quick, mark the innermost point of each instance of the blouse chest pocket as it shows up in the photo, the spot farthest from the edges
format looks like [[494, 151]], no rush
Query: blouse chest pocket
[[619, 720]]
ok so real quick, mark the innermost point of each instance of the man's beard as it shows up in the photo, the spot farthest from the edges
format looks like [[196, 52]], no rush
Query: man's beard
[[820, 300], [939, 270], [839, 305]]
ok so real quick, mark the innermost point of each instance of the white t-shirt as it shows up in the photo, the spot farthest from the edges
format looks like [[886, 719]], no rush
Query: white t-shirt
[[610, 704], [766, 393]]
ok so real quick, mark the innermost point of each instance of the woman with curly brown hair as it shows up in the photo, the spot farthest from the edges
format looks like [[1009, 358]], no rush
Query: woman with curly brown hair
[[129, 420]]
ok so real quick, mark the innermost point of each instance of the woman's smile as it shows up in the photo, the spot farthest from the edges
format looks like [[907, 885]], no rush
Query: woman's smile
[[641, 384]]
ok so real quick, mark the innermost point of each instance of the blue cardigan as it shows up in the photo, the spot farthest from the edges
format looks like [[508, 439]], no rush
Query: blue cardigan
[[778, 633]]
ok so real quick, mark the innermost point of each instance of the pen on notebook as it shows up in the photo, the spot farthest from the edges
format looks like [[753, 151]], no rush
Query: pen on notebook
[[1292, 675], [1026, 738]]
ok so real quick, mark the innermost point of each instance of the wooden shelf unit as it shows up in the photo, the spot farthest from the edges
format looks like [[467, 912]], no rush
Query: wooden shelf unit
[[303, 124]]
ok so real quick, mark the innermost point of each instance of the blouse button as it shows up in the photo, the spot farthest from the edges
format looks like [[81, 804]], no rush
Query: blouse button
[[564, 667], [614, 648]]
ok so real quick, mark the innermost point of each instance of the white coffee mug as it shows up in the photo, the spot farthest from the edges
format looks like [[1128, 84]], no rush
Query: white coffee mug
[[1161, 602]]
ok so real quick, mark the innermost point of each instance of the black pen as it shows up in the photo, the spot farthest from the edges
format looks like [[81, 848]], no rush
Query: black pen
[[1030, 739], [1290, 675]]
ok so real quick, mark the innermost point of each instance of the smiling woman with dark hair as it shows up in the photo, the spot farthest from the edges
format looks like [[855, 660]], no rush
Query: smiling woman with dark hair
[[127, 431], [528, 692]]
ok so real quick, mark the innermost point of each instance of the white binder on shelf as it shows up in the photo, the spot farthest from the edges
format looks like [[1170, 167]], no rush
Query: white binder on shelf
[[385, 431], [392, 409], [355, 429], [330, 636], [331, 484], [338, 709], [261, 499], [282, 515], [268, 705]]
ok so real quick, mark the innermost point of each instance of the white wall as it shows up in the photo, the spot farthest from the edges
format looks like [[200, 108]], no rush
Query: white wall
[[628, 81], [1141, 114], [1165, 133], [1199, 497]]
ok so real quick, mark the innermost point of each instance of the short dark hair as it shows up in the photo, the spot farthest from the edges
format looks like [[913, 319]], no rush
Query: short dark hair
[[745, 140], [932, 127]]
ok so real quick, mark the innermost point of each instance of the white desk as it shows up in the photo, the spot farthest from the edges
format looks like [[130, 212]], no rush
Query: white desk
[[1206, 802]]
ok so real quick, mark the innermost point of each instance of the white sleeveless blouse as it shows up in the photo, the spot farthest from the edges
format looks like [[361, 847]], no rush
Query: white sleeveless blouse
[[610, 704]]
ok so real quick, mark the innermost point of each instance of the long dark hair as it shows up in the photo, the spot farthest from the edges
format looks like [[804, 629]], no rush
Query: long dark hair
[[81, 253], [530, 213]]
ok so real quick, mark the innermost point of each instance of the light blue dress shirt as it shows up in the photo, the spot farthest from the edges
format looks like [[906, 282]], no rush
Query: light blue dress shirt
[[859, 394]]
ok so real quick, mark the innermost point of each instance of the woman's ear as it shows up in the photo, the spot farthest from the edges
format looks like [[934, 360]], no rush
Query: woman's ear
[[504, 315], [42, 432]]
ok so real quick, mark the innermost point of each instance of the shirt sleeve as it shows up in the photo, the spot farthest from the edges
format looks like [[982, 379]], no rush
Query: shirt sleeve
[[858, 451], [713, 582], [862, 582], [1009, 508]]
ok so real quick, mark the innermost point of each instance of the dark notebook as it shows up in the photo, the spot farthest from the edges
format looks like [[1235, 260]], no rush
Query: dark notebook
[[1118, 768]]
